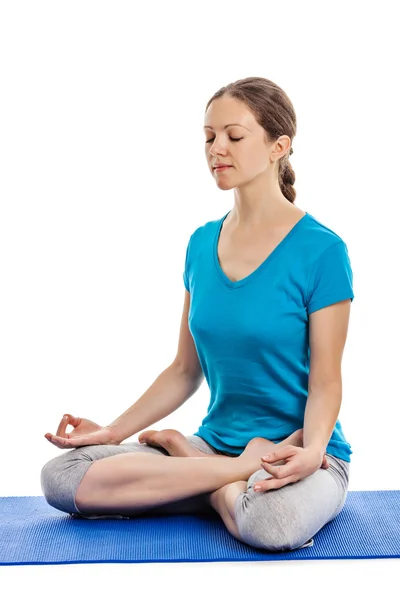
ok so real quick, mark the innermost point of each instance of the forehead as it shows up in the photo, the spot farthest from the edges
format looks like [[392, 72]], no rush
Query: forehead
[[227, 112]]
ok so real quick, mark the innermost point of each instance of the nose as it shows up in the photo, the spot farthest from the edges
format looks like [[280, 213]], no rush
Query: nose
[[217, 148]]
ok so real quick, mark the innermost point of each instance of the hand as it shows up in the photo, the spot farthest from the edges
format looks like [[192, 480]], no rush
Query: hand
[[85, 433], [301, 462]]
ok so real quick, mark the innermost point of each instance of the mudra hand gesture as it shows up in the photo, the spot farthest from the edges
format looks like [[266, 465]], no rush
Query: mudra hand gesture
[[300, 463], [85, 433]]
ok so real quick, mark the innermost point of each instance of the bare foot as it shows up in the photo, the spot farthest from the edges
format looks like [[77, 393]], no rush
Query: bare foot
[[177, 445], [255, 449], [174, 442], [295, 439], [258, 447]]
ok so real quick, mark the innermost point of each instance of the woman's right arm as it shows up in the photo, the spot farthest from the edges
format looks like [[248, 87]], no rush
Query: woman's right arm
[[169, 391]]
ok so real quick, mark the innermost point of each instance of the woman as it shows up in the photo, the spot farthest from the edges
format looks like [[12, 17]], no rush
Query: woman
[[265, 320]]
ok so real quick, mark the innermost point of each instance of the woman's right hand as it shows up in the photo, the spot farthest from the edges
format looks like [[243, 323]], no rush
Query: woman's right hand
[[85, 433]]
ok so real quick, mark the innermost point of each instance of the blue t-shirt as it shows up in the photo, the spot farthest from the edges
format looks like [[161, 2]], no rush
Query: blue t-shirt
[[251, 335]]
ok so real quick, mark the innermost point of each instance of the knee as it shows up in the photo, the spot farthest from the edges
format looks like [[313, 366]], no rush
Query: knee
[[49, 478], [51, 481], [57, 479], [263, 524]]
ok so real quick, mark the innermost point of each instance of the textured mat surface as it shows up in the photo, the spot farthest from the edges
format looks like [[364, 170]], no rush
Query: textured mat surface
[[32, 533]]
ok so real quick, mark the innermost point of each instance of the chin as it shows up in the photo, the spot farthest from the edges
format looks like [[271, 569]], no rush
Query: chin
[[226, 186], [224, 183]]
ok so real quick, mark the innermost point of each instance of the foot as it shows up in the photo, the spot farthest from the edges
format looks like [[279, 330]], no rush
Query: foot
[[295, 439], [176, 444], [258, 447], [173, 441], [255, 449]]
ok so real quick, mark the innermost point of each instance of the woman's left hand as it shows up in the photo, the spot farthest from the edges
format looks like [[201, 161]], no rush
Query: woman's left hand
[[301, 462]]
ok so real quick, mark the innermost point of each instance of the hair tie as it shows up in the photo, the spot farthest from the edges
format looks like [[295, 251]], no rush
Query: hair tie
[[291, 151]]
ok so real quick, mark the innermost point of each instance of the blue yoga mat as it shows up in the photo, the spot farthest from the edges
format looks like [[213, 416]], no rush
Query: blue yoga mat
[[34, 533]]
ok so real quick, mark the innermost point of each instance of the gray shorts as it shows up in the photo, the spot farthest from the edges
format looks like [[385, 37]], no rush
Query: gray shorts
[[277, 520]]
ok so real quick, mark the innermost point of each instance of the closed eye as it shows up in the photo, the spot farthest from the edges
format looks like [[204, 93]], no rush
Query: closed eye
[[231, 138]]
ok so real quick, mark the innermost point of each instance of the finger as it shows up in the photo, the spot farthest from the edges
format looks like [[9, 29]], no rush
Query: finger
[[53, 439], [272, 484], [57, 442], [280, 454], [63, 425], [279, 472], [62, 443]]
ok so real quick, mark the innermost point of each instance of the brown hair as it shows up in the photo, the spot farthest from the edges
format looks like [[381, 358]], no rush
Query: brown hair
[[274, 111]]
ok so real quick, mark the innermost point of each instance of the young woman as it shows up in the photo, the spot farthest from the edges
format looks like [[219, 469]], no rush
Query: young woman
[[265, 320]]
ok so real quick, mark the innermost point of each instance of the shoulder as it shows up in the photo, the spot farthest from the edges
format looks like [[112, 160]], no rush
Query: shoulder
[[207, 230], [320, 237]]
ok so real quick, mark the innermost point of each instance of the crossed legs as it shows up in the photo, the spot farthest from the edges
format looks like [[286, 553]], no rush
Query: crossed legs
[[222, 499], [132, 482]]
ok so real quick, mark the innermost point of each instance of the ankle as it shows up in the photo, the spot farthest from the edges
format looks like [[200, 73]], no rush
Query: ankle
[[215, 498], [272, 446]]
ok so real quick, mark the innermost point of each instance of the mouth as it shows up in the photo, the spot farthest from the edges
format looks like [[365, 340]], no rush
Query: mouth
[[222, 168]]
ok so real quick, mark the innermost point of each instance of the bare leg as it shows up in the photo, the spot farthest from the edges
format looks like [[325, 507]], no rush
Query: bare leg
[[223, 499], [223, 502], [176, 443], [124, 483]]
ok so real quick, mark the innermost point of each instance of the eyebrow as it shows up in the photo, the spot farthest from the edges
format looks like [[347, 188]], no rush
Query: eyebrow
[[226, 126]]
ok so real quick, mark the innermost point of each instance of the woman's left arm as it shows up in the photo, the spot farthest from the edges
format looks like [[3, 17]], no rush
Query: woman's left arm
[[321, 413], [327, 337]]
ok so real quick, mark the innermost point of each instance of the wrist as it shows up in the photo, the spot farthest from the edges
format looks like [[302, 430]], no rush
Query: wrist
[[316, 448], [116, 437]]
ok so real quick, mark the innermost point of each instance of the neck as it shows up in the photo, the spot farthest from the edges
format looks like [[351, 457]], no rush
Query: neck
[[246, 216]]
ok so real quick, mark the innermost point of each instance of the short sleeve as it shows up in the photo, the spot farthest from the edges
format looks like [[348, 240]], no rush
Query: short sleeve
[[186, 270], [332, 278]]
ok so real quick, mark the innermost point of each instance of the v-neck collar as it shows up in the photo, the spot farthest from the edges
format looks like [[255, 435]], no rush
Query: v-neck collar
[[236, 284]]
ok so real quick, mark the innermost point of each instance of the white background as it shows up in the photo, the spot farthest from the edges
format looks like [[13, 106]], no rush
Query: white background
[[103, 180]]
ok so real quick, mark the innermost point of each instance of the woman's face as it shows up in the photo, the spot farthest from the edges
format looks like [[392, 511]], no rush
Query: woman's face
[[243, 144], [233, 137]]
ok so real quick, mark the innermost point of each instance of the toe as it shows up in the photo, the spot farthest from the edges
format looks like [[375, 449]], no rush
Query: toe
[[146, 434]]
